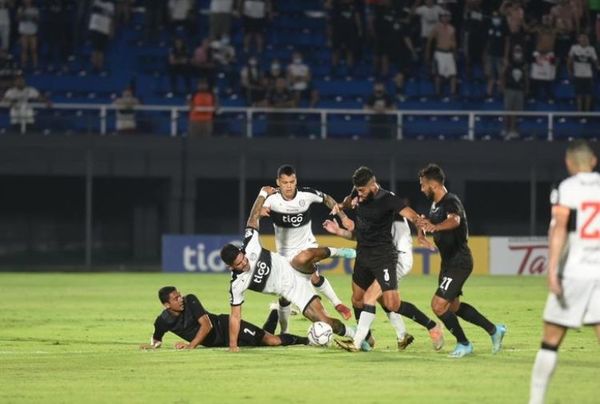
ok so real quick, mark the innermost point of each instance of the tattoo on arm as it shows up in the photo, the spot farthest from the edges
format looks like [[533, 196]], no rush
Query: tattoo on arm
[[330, 203], [254, 218]]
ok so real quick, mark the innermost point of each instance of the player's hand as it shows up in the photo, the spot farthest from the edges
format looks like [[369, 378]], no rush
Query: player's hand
[[147, 346], [182, 345], [348, 223], [331, 226], [554, 285], [337, 208], [425, 243], [234, 349], [265, 211], [269, 189]]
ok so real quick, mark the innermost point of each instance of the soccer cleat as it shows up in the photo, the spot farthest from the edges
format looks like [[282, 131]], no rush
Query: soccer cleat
[[365, 346], [497, 338], [344, 311], [349, 253], [437, 336], [371, 340], [404, 342], [346, 345], [461, 350]]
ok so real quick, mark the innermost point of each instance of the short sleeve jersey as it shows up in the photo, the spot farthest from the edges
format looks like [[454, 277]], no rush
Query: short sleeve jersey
[[374, 218], [292, 219], [452, 244], [581, 194], [186, 324]]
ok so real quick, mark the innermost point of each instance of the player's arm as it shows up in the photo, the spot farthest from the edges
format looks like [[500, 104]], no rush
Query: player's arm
[[235, 318], [557, 237], [156, 339], [205, 328], [254, 218], [334, 228], [332, 204], [452, 222]]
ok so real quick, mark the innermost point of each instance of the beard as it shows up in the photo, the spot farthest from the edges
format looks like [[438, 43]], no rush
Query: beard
[[429, 194], [368, 197]]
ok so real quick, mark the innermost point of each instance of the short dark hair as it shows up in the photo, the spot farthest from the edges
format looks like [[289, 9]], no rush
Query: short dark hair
[[164, 292], [433, 172], [286, 169], [229, 253], [362, 176]]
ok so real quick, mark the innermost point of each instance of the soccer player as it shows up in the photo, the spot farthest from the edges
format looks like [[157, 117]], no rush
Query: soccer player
[[291, 214], [260, 270], [448, 223], [186, 317], [573, 262], [376, 255], [403, 241]]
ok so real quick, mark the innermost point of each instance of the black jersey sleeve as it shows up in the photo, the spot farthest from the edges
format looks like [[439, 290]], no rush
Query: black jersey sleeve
[[452, 205], [395, 203], [160, 329], [193, 304]]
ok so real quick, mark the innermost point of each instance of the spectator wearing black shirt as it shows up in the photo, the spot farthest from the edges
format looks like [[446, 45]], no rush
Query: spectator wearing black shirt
[[381, 125], [494, 52], [6, 7], [447, 221], [279, 97], [252, 79], [515, 83], [346, 27], [185, 317], [59, 30], [178, 66], [475, 35]]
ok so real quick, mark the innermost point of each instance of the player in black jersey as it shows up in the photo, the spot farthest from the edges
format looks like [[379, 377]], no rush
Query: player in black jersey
[[448, 223], [186, 317], [376, 255]]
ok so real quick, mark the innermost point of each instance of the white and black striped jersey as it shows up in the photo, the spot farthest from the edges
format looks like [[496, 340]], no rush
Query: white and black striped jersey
[[581, 194], [269, 272], [292, 220]]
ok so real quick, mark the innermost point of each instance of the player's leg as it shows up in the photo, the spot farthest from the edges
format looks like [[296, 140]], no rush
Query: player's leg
[[545, 362], [271, 322], [470, 314], [284, 308], [441, 308], [315, 311]]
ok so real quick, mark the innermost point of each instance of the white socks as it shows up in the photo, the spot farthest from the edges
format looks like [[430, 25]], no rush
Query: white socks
[[545, 363], [326, 290], [332, 252], [364, 325], [398, 323], [284, 316]]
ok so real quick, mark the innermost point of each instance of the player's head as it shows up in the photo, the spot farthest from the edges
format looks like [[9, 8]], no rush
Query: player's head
[[580, 157], [365, 183], [583, 40], [432, 179], [170, 297], [287, 181], [234, 258]]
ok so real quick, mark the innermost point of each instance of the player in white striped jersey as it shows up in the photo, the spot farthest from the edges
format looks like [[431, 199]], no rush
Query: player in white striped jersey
[[290, 210], [258, 269], [573, 262]]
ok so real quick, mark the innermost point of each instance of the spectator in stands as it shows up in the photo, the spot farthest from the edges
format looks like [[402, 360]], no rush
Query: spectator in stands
[[444, 57], [582, 60], [201, 121], [475, 33], [28, 16], [223, 54], [19, 97], [279, 97], [255, 14], [496, 42], [202, 64], [123, 11], [543, 66], [429, 14], [275, 72], [299, 77], [515, 15], [252, 79], [515, 83], [221, 12], [9, 70], [179, 66], [566, 24], [386, 38], [154, 17], [126, 123], [181, 15], [5, 28], [346, 31], [101, 29], [82, 15], [381, 125], [59, 31]]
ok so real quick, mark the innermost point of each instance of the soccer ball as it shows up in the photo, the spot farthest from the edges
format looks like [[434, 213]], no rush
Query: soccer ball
[[320, 334]]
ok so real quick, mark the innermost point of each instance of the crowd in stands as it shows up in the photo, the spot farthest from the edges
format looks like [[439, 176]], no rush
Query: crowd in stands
[[516, 49]]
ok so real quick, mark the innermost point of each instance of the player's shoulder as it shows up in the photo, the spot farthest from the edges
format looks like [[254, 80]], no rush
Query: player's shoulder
[[309, 190], [191, 298], [581, 180]]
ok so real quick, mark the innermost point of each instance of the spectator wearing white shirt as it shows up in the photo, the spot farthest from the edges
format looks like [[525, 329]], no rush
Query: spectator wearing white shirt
[[223, 54], [582, 60], [29, 17], [101, 28], [255, 14], [19, 97], [126, 104], [220, 18], [5, 10], [429, 14], [299, 77], [180, 15]]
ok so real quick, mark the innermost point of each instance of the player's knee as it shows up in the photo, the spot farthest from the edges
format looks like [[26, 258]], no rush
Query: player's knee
[[271, 340], [439, 308], [357, 301]]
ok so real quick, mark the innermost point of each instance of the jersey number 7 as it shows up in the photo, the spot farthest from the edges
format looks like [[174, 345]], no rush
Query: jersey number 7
[[591, 225]]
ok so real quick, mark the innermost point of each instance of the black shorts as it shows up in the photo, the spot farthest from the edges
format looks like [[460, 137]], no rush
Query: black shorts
[[250, 334], [376, 263], [254, 25], [451, 280], [583, 86], [99, 41]]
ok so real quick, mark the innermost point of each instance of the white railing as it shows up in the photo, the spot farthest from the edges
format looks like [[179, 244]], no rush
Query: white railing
[[251, 112]]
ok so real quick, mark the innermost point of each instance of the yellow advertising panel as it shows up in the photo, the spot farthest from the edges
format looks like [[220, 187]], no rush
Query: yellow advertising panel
[[425, 261]]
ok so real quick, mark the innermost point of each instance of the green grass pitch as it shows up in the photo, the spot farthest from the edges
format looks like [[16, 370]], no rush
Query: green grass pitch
[[69, 338]]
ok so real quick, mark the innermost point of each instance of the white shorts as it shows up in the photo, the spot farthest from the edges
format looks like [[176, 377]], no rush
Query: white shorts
[[300, 292], [404, 264], [580, 305], [292, 252], [445, 65]]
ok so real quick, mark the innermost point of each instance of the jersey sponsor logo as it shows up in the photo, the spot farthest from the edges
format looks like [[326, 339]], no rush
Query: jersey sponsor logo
[[290, 220], [262, 271], [294, 220], [302, 203]]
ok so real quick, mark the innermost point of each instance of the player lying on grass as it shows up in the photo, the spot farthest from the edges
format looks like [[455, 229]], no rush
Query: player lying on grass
[[186, 317], [255, 268]]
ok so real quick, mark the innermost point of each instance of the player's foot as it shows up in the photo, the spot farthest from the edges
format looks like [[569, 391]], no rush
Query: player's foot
[[371, 340], [497, 338], [437, 336], [344, 311], [365, 346], [461, 350], [349, 253], [404, 342], [346, 345]]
